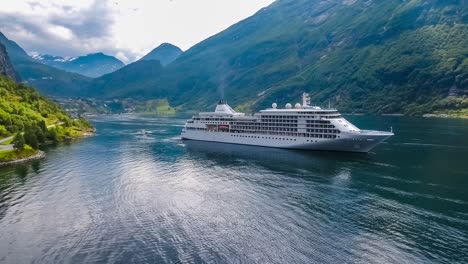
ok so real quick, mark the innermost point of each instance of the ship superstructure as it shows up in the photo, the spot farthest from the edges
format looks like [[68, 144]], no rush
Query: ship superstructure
[[300, 127]]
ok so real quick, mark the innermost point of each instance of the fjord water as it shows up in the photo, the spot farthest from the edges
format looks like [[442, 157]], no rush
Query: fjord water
[[135, 193]]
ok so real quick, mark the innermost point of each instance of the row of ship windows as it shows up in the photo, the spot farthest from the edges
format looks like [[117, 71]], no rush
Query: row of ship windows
[[278, 117], [263, 122], [319, 113], [255, 126], [242, 136], [253, 122], [214, 123], [333, 131], [317, 122], [263, 128], [291, 139], [212, 119], [278, 133], [321, 126], [330, 131], [303, 115], [265, 125], [266, 118], [315, 128], [279, 121], [322, 136], [240, 129]]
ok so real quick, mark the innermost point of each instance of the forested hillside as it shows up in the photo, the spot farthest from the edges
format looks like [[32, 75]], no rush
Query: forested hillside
[[363, 55], [22, 107]]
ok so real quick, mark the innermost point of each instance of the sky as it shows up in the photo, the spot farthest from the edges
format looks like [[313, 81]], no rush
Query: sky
[[127, 29]]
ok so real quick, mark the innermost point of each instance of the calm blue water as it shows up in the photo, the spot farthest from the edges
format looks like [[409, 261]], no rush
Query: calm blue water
[[126, 197]]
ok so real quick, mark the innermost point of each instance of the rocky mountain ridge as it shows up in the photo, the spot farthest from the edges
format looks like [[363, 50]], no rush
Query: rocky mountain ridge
[[6, 68]]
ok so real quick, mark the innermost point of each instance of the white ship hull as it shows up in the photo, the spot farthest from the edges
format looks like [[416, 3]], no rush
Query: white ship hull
[[361, 142]]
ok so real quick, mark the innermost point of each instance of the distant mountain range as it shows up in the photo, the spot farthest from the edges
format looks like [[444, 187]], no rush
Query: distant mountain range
[[73, 76], [47, 79], [165, 54], [91, 65]]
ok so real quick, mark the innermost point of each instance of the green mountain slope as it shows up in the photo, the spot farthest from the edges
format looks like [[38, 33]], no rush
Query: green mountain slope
[[365, 55], [134, 80], [23, 111], [46, 79], [23, 108]]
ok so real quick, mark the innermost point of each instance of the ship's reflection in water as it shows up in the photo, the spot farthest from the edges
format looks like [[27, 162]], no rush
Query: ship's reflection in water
[[276, 159]]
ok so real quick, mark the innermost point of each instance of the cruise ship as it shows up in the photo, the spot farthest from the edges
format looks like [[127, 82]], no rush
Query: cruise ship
[[303, 126]]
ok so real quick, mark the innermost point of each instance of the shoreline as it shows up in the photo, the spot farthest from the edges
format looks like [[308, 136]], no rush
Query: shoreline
[[39, 155], [452, 116]]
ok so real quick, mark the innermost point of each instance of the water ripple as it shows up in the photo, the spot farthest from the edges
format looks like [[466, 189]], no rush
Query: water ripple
[[136, 193]]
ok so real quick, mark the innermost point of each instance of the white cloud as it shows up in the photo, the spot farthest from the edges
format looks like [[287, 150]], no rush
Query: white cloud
[[124, 28], [60, 32]]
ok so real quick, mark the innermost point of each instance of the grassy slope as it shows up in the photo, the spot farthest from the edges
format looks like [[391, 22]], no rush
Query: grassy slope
[[158, 107]]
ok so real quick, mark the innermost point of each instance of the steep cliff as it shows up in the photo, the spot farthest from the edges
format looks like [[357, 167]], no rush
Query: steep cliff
[[6, 68]]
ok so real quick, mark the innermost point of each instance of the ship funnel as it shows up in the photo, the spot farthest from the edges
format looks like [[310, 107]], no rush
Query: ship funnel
[[305, 99]]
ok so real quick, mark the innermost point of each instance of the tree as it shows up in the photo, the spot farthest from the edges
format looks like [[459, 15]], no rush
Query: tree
[[30, 138], [41, 138], [3, 131], [52, 135], [43, 126], [18, 142]]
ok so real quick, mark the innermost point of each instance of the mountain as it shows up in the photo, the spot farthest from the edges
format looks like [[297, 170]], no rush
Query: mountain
[[91, 65], [135, 78], [14, 50], [165, 53], [6, 68], [365, 55], [48, 80]]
